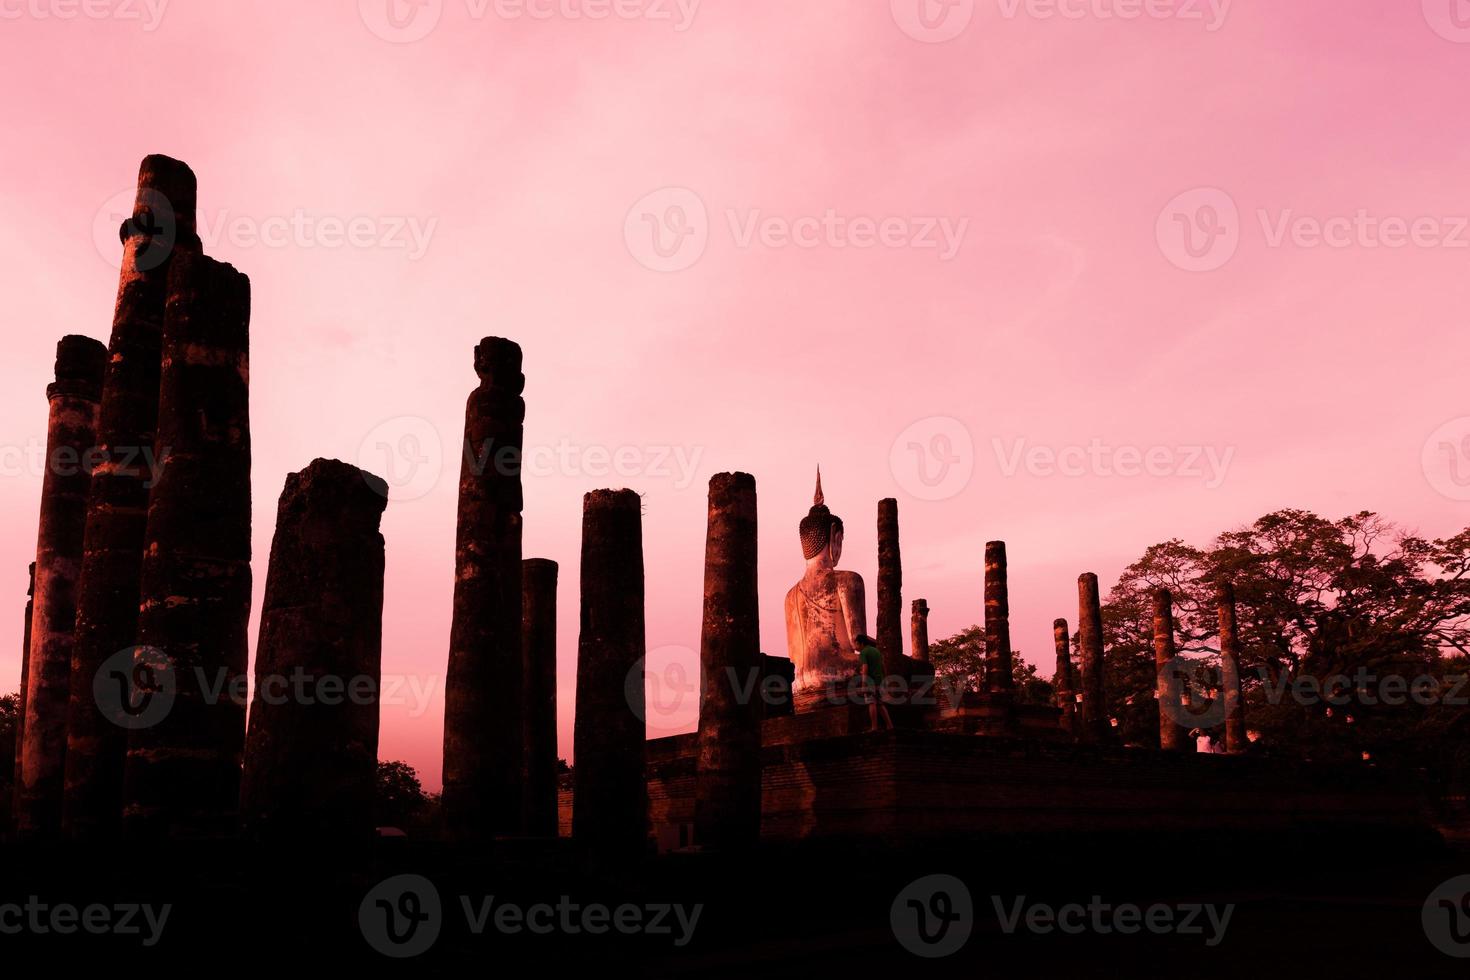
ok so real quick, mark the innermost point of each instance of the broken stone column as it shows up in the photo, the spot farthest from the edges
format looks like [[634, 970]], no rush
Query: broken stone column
[[1063, 682], [484, 716], [108, 589], [311, 756], [182, 774], [1235, 738], [1172, 736], [1095, 726], [20, 719], [538, 643], [727, 793], [71, 434], [610, 808], [890, 591], [999, 679], [919, 630]]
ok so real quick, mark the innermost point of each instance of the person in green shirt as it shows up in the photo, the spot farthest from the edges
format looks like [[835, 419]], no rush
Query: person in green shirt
[[870, 676]]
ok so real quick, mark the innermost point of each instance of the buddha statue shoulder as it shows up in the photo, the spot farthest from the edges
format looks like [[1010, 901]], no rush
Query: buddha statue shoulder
[[826, 610]]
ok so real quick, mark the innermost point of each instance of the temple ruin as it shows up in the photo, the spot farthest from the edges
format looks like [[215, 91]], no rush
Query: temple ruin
[[142, 587], [484, 724], [70, 435]]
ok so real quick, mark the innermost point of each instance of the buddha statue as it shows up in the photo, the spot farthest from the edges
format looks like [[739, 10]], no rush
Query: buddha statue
[[826, 611]]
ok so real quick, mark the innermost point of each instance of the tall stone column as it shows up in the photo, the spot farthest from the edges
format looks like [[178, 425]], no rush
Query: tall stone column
[[727, 795], [610, 807], [890, 591], [538, 643], [1172, 736], [1066, 698], [108, 590], [20, 720], [71, 435], [919, 630], [311, 755], [484, 716], [182, 775], [999, 679], [1235, 738], [1095, 725]]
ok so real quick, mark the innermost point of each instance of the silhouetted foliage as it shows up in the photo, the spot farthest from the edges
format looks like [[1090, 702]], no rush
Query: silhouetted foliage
[[961, 658], [1358, 604], [400, 800]]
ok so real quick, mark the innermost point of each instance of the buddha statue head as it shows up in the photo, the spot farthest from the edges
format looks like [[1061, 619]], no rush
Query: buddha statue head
[[821, 532]]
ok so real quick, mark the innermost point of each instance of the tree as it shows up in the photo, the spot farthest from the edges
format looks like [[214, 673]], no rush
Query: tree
[[1317, 600], [400, 800], [9, 728], [960, 661]]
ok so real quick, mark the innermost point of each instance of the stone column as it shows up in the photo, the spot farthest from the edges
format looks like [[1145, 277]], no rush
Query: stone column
[[1172, 736], [20, 717], [71, 435], [108, 589], [538, 643], [1095, 724], [182, 775], [999, 679], [484, 717], [1066, 698], [727, 795], [312, 751], [890, 591], [610, 809], [919, 630], [1235, 738]]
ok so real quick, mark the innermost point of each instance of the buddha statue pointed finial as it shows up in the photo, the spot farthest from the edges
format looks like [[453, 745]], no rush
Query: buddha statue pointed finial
[[825, 610]]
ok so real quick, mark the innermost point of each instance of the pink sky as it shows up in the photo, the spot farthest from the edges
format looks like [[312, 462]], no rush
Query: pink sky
[[518, 147]]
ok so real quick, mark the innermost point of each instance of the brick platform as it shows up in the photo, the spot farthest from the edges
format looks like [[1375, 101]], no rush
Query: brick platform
[[827, 778]]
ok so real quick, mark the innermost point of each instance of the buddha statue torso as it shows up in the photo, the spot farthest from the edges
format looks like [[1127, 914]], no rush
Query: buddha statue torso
[[825, 611]]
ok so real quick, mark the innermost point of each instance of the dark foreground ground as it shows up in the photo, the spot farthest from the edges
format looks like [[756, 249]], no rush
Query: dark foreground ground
[[1309, 905]]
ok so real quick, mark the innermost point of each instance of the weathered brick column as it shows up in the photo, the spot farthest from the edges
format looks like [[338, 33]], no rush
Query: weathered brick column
[[182, 775], [1063, 681], [1095, 725], [108, 589], [312, 752], [610, 808], [1172, 736], [727, 795], [20, 720], [1235, 738], [919, 630], [71, 434], [538, 642], [999, 679], [484, 716], [890, 591]]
